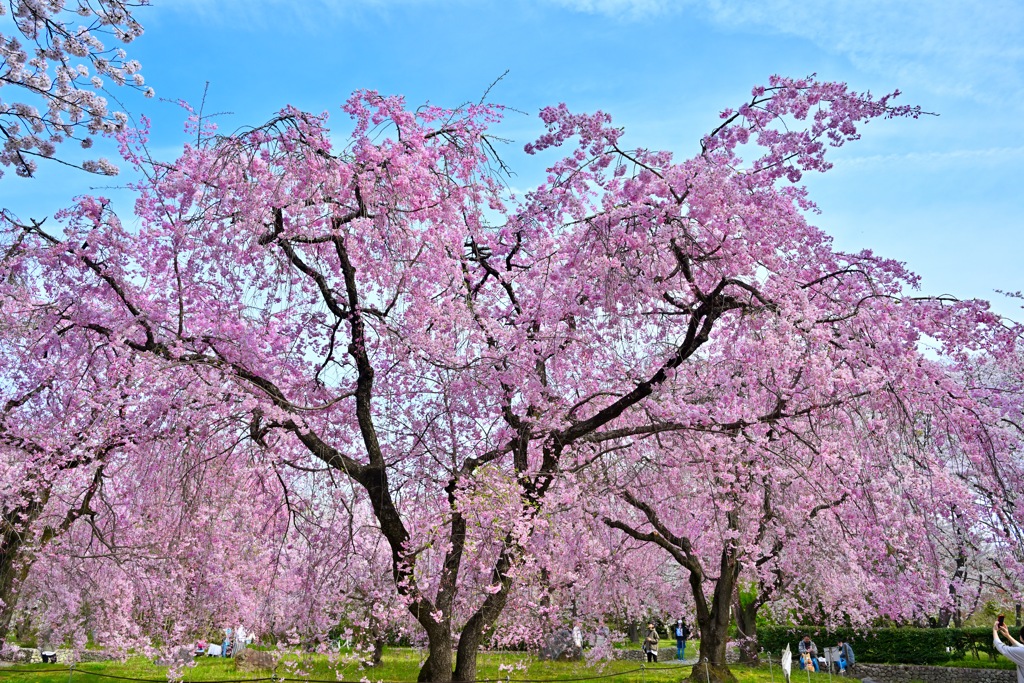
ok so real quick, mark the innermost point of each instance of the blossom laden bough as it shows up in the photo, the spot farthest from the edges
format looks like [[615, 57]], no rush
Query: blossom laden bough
[[55, 59]]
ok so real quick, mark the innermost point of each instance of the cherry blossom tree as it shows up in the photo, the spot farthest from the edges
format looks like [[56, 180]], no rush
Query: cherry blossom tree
[[107, 473], [62, 419], [157, 565], [115, 469], [57, 56], [578, 572], [977, 568], [838, 515], [451, 352]]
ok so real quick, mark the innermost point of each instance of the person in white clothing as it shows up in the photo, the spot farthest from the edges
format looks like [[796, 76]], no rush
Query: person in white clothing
[[1014, 652]]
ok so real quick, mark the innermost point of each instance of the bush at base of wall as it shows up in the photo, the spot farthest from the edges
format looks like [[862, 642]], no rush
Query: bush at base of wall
[[888, 645]]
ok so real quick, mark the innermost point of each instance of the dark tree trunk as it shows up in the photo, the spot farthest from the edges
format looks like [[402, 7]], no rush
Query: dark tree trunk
[[545, 585], [713, 617], [17, 544], [473, 632], [746, 624], [953, 612], [713, 636], [438, 666], [713, 621], [378, 650], [374, 636], [15, 558], [13, 570], [465, 661]]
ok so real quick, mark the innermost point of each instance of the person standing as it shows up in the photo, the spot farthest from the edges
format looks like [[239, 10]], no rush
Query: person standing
[[651, 643], [682, 633], [1014, 652]]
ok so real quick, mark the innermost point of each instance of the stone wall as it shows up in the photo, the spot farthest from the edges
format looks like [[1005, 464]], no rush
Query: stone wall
[[880, 673], [30, 654], [911, 673], [665, 654], [668, 654]]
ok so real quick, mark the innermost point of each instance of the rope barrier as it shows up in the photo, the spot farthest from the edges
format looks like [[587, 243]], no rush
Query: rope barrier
[[667, 668], [164, 680], [73, 670], [478, 680], [548, 680]]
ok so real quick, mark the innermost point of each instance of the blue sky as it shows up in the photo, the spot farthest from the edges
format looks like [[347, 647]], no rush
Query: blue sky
[[941, 193]]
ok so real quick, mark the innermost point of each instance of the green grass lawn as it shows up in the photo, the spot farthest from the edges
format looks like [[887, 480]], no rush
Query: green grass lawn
[[1000, 662], [400, 665]]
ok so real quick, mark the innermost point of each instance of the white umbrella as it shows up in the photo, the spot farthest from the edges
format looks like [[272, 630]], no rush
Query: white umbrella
[[787, 662]]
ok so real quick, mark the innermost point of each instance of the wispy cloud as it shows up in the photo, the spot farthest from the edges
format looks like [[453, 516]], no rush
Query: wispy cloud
[[990, 156], [961, 48], [951, 47], [263, 13], [635, 8]]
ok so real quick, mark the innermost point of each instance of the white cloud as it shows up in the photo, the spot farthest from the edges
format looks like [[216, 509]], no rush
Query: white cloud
[[950, 47], [962, 48], [265, 13], [990, 156], [634, 8]]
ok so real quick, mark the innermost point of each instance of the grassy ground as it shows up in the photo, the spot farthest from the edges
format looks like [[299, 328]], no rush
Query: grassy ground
[[1000, 662], [400, 664]]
